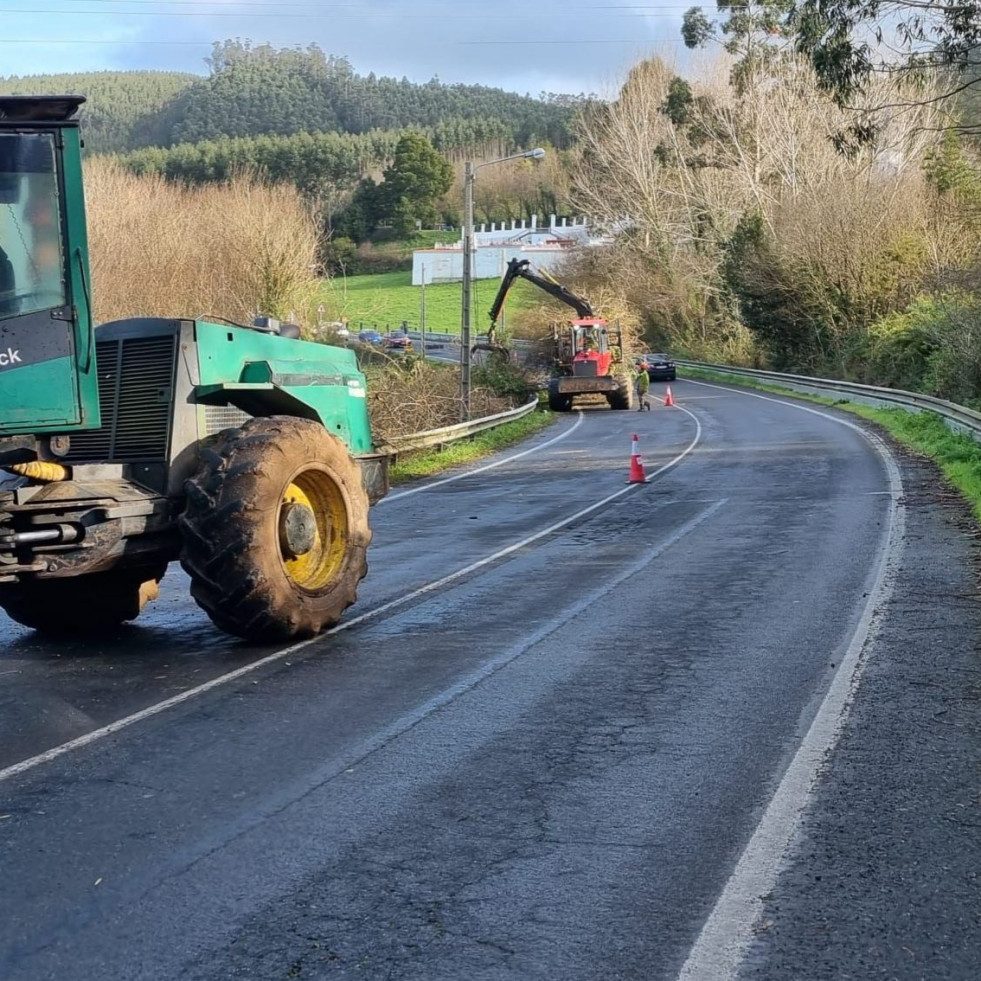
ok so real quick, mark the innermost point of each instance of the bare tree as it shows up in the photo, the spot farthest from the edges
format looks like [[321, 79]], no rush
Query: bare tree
[[686, 172]]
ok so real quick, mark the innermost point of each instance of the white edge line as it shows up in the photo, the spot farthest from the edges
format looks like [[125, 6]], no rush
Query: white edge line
[[151, 710], [727, 933], [490, 466]]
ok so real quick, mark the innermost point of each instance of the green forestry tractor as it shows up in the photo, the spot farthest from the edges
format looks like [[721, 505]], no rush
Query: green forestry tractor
[[244, 452]]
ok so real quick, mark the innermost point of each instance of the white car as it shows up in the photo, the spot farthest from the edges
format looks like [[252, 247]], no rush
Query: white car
[[337, 327]]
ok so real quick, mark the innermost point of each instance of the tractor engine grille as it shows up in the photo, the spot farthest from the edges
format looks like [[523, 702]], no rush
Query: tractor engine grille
[[136, 396]]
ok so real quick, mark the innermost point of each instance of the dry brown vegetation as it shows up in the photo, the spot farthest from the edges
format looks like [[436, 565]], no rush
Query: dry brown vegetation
[[236, 250], [231, 250], [420, 396], [744, 214]]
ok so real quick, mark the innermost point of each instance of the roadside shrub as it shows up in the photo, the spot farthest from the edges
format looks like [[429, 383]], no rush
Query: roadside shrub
[[954, 371], [412, 395], [811, 279], [899, 346], [793, 328], [504, 378], [934, 346]]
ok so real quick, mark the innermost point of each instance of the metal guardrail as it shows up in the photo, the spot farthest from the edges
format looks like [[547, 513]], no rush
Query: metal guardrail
[[956, 416], [461, 430], [437, 340]]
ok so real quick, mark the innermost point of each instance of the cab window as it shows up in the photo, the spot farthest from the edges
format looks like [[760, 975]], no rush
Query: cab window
[[32, 271]]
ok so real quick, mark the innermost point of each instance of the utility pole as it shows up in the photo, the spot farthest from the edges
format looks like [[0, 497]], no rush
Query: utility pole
[[469, 176]]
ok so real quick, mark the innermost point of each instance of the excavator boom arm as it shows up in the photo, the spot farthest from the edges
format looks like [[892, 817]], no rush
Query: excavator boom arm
[[520, 268]]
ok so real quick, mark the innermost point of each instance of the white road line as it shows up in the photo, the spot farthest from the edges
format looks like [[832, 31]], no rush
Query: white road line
[[489, 466], [728, 932], [155, 709], [461, 687], [695, 398]]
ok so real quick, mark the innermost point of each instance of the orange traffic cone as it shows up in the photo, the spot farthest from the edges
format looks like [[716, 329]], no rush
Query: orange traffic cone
[[668, 397], [637, 475]]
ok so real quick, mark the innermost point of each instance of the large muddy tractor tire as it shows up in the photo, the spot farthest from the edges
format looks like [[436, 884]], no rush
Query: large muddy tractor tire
[[275, 529], [81, 605], [557, 401], [623, 397]]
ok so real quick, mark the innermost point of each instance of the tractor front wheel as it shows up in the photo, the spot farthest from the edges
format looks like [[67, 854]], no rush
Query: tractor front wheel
[[80, 605], [558, 401], [275, 531], [623, 397]]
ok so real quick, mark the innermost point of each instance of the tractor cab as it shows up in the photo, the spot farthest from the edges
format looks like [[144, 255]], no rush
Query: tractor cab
[[585, 347], [47, 359], [592, 348]]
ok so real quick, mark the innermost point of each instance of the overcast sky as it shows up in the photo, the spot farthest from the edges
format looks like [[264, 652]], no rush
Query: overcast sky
[[521, 45]]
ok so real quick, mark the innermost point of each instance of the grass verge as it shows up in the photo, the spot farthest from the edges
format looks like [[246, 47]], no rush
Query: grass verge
[[381, 301], [957, 455], [429, 462]]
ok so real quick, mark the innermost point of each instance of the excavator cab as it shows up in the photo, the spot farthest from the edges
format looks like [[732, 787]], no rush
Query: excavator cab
[[48, 379]]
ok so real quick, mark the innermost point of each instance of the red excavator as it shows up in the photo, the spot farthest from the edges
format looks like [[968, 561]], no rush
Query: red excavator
[[586, 353]]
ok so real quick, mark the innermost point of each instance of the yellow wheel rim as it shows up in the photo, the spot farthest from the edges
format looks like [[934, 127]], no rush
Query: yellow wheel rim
[[316, 569]]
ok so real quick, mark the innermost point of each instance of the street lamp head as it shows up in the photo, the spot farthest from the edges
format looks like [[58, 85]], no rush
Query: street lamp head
[[537, 154]]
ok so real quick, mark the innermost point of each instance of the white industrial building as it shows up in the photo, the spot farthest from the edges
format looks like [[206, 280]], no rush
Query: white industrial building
[[496, 244]]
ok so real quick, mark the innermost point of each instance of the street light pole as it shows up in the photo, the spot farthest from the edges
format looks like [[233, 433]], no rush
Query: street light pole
[[469, 174], [469, 177], [422, 314]]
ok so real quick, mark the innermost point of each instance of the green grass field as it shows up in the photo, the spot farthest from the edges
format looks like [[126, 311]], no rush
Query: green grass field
[[384, 300]]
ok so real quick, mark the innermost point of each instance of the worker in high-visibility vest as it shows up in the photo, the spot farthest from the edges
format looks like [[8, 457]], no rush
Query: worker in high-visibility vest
[[642, 385]]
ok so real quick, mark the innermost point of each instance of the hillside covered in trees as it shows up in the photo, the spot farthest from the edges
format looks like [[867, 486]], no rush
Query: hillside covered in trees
[[264, 91], [260, 90], [122, 107]]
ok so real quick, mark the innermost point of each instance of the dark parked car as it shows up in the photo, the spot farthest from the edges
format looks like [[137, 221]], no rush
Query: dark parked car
[[370, 337], [659, 367]]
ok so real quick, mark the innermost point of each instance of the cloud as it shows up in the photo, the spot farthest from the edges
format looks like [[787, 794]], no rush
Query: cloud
[[548, 46]]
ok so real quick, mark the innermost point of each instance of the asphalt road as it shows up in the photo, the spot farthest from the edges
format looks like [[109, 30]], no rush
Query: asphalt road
[[546, 744]]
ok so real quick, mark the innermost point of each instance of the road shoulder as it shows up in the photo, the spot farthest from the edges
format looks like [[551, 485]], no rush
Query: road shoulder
[[885, 872]]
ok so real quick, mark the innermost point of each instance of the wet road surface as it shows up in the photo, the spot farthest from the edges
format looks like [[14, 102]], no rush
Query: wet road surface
[[546, 767]]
